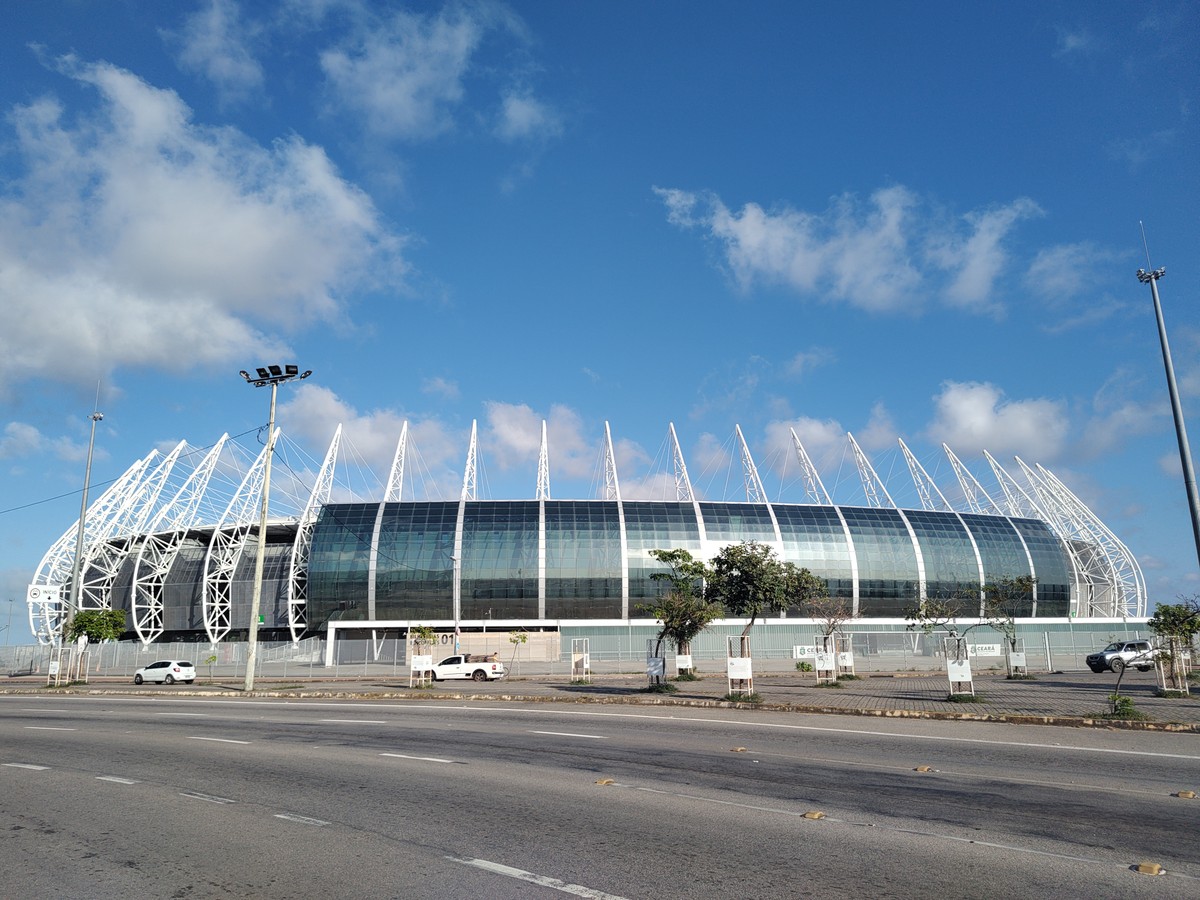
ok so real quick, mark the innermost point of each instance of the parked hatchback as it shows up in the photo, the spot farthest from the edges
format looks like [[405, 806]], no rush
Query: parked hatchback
[[166, 671]]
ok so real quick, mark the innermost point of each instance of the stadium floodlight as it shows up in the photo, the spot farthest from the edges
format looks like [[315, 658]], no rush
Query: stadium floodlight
[[268, 376], [1185, 453], [76, 567]]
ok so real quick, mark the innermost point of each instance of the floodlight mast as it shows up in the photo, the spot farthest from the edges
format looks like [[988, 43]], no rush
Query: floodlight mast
[[75, 596], [1185, 453], [266, 376]]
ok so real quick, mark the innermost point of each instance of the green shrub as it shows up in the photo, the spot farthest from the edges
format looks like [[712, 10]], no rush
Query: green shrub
[[687, 675], [803, 666], [662, 688], [743, 697]]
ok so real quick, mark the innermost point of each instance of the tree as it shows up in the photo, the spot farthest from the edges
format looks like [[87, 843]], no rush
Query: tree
[[684, 610], [517, 638], [830, 614], [1176, 624], [98, 624], [946, 614], [1002, 601], [748, 579]]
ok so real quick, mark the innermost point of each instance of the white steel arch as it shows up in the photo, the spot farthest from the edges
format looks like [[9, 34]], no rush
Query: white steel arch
[[298, 572], [543, 475], [225, 547], [755, 492], [52, 578], [468, 488], [683, 484], [166, 535], [926, 486], [813, 486], [971, 488], [872, 484]]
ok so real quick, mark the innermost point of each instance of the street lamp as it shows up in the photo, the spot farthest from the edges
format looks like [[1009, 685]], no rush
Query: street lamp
[[76, 567], [266, 376], [1185, 453]]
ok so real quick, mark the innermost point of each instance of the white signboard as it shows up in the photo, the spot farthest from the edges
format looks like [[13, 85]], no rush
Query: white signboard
[[986, 650], [823, 661], [739, 669], [958, 671], [422, 663], [683, 661], [803, 652], [53, 668], [1016, 660], [656, 666], [846, 659]]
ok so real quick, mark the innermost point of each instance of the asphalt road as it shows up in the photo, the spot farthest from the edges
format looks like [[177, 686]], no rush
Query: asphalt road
[[162, 797]]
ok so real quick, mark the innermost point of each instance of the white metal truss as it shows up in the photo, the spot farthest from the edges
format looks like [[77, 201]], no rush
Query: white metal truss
[[49, 588], [813, 486], [926, 486], [1115, 583], [1018, 501], [612, 485], [683, 484], [229, 537], [298, 573], [543, 478], [103, 560], [755, 493], [395, 483], [165, 537], [971, 488], [872, 485], [468, 488]]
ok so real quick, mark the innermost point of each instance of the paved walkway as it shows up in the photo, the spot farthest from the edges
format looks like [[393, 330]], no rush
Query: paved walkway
[[1073, 698]]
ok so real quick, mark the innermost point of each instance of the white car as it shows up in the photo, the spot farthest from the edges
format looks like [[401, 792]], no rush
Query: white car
[[477, 668], [166, 671]]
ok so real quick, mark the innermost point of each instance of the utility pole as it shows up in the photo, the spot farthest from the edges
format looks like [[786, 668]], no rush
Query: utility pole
[[77, 565]]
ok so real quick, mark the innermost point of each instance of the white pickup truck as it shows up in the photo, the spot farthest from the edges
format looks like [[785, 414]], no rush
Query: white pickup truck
[[477, 667]]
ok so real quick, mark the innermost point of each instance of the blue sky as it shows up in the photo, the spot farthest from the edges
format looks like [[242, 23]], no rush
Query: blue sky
[[899, 220]]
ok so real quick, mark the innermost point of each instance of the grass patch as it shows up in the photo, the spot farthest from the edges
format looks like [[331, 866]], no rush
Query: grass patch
[[965, 698], [1022, 678], [686, 676], [663, 688], [581, 681], [849, 677], [828, 684], [1171, 695], [743, 697], [1122, 709]]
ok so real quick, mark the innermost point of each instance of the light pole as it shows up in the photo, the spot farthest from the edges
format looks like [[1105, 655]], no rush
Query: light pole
[[1185, 453], [266, 376], [77, 565], [455, 595]]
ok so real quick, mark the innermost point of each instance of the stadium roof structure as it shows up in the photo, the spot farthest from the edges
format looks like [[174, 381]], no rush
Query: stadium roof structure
[[201, 505]]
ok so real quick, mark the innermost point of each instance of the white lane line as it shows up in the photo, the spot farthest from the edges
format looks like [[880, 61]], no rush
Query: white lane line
[[543, 880], [116, 779], [209, 798], [49, 728], [217, 740], [27, 766], [421, 758], [598, 737], [194, 715], [354, 721], [303, 820]]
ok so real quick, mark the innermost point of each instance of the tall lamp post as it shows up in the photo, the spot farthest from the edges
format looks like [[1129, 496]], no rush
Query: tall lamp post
[[77, 566], [1185, 453], [266, 376]]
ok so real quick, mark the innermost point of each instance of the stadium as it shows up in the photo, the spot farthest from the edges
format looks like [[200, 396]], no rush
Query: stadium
[[174, 542]]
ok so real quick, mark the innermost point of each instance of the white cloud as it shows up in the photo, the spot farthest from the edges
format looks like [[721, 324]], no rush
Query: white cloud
[[807, 360], [20, 440], [1077, 41], [514, 434], [1066, 271], [135, 237], [215, 44], [524, 117], [881, 432], [440, 387], [882, 255], [973, 417], [823, 441], [404, 75]]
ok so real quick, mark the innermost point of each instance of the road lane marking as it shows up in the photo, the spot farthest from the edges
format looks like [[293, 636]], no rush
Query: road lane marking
[[420, 758], [208, 798], [27, 766], [598, 737], [303, 820], [542, 880], [354, 721], [49, 728], [197, 715], [116, 779], [217, 740]]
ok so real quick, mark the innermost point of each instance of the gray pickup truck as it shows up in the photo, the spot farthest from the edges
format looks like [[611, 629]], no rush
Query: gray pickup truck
[[1119, 654]]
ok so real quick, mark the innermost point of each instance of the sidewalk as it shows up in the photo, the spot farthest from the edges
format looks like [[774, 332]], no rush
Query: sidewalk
[[1071, 698]]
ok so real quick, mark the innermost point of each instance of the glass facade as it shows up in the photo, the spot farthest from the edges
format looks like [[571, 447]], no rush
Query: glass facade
[[583, 560], [571, 550], [656, 526], [414, 568], [499, 568]]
